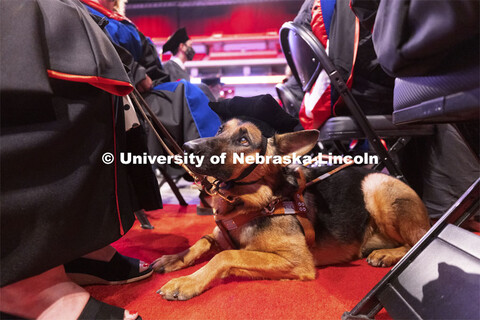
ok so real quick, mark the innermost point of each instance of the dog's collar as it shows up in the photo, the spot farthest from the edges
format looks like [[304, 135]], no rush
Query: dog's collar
[[216, 187], [295, 206]]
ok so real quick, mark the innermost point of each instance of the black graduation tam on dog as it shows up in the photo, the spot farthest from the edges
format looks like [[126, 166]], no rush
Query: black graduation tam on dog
[[264, 111], [180, 36]]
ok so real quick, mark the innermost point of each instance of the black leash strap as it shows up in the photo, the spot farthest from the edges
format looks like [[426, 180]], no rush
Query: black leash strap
[[158, 126]]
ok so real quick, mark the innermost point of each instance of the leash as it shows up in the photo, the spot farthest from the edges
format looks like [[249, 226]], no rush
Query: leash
[[210, 189]]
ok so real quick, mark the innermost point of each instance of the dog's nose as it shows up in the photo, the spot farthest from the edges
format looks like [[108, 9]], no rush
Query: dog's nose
[[191, 147]]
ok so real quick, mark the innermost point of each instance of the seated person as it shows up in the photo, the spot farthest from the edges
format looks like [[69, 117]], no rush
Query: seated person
[[146, 70], [444, 163], [180, 45], [350, 48], [427, 163], [212, 87], [60, 201], [181, 106]]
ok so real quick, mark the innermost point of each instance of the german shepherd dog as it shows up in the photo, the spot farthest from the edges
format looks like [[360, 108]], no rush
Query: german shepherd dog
[[355, 213]]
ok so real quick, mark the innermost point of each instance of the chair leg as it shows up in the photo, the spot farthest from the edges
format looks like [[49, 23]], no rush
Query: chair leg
[[398, 145], [360, 118], [340, 147], [393, 151], [173, 186], [385, 156], [142, 218]]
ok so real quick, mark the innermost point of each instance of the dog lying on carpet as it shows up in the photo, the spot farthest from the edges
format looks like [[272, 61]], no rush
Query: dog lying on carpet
[[354, 213]]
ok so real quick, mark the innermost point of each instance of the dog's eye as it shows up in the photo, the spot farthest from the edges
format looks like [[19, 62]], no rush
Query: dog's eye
[[220, 130], [244, 141]]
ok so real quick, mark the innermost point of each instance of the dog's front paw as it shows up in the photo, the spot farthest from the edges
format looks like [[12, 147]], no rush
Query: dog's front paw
[[384, 257], [168, 263], [182, 288]]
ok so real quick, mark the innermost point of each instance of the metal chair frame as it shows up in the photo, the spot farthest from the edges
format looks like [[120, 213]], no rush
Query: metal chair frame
[[323, 63], [384, 293]]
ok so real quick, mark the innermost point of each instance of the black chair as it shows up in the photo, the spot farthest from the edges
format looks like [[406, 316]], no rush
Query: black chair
[[306, 58], [289, 102], [440, 276]]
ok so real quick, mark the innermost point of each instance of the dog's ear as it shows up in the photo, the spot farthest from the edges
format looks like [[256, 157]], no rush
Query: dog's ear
[[299, 142]]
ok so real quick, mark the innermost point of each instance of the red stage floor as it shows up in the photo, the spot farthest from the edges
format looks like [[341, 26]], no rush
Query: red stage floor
[[337, 288]]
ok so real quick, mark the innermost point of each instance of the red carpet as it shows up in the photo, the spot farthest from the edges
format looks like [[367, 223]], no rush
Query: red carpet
[[337, 288]]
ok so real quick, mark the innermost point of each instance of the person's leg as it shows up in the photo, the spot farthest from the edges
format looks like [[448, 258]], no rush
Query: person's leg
[[450, 169], [49, 295], [40, 295]]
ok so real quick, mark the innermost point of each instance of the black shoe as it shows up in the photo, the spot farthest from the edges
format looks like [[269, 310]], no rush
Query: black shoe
[[119, 270]]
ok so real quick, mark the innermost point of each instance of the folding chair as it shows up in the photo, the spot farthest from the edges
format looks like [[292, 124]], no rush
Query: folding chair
[[290, 104], [166, 177], [440, 276], [306, 58]]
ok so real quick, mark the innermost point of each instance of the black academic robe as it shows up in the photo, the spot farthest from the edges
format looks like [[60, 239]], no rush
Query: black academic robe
[[60, 114], [141, 56], [175, 71], [172, 108]]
